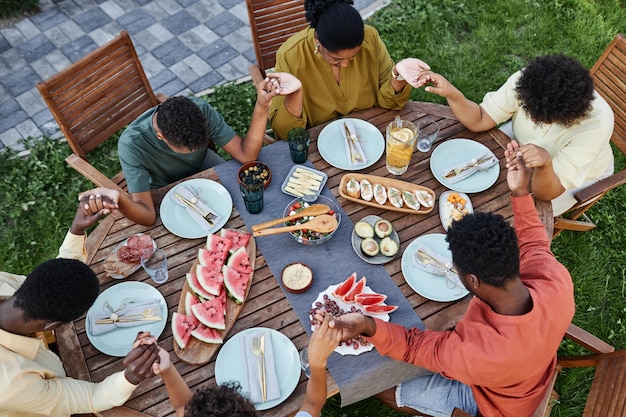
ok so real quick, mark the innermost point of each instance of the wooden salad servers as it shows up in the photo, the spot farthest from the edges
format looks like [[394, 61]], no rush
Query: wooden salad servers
[[324, 223], [312, 210]]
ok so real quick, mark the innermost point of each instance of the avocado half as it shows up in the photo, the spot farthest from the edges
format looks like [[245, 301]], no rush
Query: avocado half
[[370, 247], [389, 247], [363, 229], [383, 228]]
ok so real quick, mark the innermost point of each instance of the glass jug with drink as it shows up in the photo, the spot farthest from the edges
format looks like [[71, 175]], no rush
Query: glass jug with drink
[[400, 140]]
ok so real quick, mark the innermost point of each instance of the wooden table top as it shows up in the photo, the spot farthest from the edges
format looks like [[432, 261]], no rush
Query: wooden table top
[[267, 305]]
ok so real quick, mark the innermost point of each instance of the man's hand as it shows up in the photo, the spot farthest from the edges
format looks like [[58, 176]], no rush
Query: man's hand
[[534, 156], [140, 360], [84, 219], [518, 174], [100, 199], [438, 84], [350, 325], [283, 83], [411, 69], [323, 342]]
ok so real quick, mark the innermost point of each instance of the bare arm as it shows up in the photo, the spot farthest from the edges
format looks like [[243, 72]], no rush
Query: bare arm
[[138, 207], [545, 184], [287, 85]]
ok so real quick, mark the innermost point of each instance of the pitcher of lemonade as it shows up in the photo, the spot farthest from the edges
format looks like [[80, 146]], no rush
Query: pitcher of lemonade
[[400, 139]]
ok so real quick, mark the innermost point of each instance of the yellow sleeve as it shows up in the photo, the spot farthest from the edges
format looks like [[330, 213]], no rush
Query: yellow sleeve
[[73, 247]]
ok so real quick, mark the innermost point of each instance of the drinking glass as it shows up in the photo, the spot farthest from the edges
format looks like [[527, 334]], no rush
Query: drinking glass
[[155, 264], [299, 141], [400, 139], [252, 193], [428, 130], [304, 362]]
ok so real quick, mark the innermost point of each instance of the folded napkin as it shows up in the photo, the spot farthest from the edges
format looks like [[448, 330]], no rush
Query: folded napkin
[[470, 166], [251, 364], [186, 192], [355, 140], [443, 270], [138, 309]]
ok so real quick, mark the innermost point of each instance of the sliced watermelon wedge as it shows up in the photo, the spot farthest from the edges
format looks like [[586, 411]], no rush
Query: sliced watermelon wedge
[[207, 334], [190, 300], [236, 282], [182, 327], [211, 280], [218, 246], [369, 299], [356, 289], [345, 286], [210, 259], [211, 313], [239, 260], [238, 238], [192, 281]]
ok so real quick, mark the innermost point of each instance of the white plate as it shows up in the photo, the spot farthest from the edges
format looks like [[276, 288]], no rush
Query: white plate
[[293, 170], [456, 151], [431, 286], [380, 258], [445, 207], [331, 143], [118, 342], [177, 220], [344, 349], [229, 365]]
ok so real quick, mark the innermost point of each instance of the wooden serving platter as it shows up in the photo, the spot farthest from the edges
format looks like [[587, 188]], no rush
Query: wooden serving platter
[[197, 352], [386, 182]]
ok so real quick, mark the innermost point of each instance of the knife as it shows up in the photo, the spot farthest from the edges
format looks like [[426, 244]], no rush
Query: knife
[[123, 320], [355, 138], [205, 214], [263, 382], [457, 171]]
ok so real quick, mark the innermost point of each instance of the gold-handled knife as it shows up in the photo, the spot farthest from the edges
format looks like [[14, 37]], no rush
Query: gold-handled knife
[[128, 320], [205, 214], [472, 164], [263, 381]]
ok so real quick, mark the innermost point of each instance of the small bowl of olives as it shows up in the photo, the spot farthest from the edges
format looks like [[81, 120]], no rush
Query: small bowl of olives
[[255, 169]]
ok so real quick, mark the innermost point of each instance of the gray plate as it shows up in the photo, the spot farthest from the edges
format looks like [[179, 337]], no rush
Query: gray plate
[[380, 258]]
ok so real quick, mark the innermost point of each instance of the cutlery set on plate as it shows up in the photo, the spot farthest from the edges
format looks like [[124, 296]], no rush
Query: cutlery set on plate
[[354, 145], [149, 314], [258, 349], [207, 215]]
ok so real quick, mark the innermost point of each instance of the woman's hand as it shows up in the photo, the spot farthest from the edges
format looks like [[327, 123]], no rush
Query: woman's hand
[[410, 69], [438, 84], [283, 83]]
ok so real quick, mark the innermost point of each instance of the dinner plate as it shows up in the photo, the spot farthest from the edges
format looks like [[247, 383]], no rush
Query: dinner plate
[[177, 220], [229, 365], [445, 207], [380, 258], [331, 144], [431, 286], [457, 151], [118, 342]]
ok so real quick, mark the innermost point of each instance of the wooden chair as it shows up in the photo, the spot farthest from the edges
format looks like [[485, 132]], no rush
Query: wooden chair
[[95, 97], [609, 76], [608, 389]]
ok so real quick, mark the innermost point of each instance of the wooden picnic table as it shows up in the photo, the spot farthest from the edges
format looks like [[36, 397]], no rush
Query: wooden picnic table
[[267, 305]]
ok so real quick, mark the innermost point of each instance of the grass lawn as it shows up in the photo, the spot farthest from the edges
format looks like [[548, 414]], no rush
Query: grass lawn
[[476, 45]]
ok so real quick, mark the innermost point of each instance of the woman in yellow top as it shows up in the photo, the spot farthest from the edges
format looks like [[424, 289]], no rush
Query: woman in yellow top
[[338, 65]]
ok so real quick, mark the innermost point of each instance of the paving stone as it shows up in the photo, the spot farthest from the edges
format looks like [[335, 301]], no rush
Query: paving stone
[[217, 54], [51, 130], [11, 139], [44, 118], [197, 64], [35, 48], [240, 40], [92, 19], [28, 129], [143, 2], [100, 36], [160, 33], [58, 60], [112, 29], [230, 72], [13, 36], [71, 29], [49, 18], [11, 114], [180, 22], [135, 21], [10, 61], [28, 28], [146, 39], [207, 81], [173, 88], [57, 37], [31, 102], [112, 9], [242, 14], [151, 65], [20, 81], [249, 55], [227, 4], [161, 79], [202, 11], [170, 5], [78, 48], [70, 8], [171, 52], [184, 72], [4, 44], [224, 23], [156, 10], [197, 35], [43, 68], [186, 3], [84, 5]]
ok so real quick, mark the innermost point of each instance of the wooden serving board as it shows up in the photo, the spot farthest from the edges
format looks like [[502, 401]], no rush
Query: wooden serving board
[[386, 182], [197, 352]]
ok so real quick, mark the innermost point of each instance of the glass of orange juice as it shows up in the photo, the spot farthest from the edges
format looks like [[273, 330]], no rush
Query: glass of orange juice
[[400, 139]]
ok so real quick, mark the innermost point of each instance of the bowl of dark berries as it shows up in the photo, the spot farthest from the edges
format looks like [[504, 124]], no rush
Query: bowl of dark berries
[[255, 169]]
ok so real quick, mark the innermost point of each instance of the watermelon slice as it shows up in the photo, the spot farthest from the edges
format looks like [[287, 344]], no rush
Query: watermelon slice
[[182, 326], [236, 282], [356, 289], [211, 280], [192, 281], [207, 334], [378, 309], [239, 260], [369, 299], [212, 312], [238, 238], [210, 259], [218, 245], [345, 286], [190, 300]]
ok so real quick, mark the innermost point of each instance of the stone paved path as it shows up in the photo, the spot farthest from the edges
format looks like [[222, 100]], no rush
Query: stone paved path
[[185, 46]]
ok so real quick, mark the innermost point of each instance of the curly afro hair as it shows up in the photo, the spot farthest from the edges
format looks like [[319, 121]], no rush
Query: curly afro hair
[[57, 290], [338, 25], [485, 245], [220, 401], [182, 123], [555, 89]]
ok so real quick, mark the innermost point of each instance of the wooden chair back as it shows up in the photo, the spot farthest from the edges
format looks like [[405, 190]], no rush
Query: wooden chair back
[[95, 97], [271, 23], [609, 76]]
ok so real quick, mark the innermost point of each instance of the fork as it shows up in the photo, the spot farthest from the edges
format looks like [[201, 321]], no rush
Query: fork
[[256, 350], [146, 314], [426, 259], [352, 145], [205, 214], [349, 139]]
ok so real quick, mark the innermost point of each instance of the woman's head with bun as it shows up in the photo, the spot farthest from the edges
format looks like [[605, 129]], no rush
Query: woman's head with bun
[[338, 26]]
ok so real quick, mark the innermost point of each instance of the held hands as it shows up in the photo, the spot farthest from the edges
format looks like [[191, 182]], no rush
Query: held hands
[[323, 342], [438, 84], [411, 69], [141, 359], [518, 174], [100, 199], [283, 83], [349, 325]]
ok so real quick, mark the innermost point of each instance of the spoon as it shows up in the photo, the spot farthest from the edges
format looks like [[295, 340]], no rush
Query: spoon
[[312, 210], [324, 223]]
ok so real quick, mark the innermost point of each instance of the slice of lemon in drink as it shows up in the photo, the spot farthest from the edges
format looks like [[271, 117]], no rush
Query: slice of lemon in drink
[[403, 134]]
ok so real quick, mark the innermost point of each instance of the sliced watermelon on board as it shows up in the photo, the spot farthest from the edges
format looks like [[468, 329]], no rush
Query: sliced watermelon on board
[[369, 299], [239, 260], [190, 300], [182, 327], [207, 334], [356, 289], [211, 280], [236, 282], [238, 238], [345, 286], [211, 313], [218, 245], [194, 285], [210, 259]]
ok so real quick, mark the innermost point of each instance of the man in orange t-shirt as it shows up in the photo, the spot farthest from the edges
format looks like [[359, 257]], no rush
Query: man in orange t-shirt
[[499, 358]]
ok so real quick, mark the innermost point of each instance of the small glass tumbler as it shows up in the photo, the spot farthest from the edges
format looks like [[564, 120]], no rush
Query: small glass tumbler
[[155, 264], [427, 134], [299, 141], [252, 193], [304, 362]]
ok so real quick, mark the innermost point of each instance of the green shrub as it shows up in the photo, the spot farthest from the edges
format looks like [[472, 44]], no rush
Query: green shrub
[[13, 8]]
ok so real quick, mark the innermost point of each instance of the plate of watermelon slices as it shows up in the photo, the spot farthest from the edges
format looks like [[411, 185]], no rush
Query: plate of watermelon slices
[[213, 295]]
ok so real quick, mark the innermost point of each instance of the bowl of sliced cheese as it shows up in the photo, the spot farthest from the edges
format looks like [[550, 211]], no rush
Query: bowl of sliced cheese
[[302, 181]]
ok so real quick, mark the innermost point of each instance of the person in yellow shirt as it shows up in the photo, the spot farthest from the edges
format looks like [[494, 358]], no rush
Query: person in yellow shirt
[[336, 66], [32, 378]]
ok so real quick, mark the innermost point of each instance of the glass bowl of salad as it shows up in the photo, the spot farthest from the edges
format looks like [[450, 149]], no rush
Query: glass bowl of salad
[[307, 237]]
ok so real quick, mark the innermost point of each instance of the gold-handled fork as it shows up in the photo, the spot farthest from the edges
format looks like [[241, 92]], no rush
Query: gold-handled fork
[[473, 163], [205, 214], [356, 156], [426, 259], [264, 381], [147, 314], [256, 350]]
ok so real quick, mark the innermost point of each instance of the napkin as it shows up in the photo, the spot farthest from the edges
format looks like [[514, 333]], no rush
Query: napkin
[[435, 269], [188, 193], [97, 329], [469, 170], [357, 142], [251, 364]]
